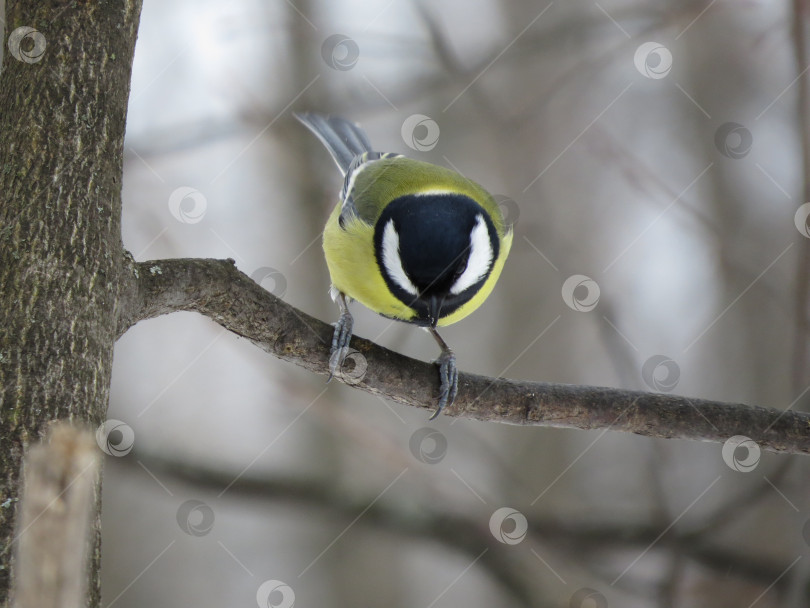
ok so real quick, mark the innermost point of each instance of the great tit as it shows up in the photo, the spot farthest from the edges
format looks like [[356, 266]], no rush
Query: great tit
[[410, 240]]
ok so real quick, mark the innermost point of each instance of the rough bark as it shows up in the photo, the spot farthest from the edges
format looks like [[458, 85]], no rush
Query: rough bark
[[217, 289], [61, 140]]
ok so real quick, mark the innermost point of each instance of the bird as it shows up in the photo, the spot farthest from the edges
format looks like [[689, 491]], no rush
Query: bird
[[410, 240]]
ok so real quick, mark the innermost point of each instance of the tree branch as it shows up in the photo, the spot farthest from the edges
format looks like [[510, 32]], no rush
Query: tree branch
[[466, 535], [464, 532], [218, 290]]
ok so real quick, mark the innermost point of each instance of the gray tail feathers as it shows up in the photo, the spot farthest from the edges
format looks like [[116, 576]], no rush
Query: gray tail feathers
[[344, 139]]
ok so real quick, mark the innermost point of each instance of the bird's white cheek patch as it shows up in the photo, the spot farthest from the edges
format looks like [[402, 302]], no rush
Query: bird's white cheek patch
[[480, 260], [392, 261]]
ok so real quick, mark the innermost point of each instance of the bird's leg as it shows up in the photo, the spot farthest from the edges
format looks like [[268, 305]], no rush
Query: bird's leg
[[342, 336], [448, 373]]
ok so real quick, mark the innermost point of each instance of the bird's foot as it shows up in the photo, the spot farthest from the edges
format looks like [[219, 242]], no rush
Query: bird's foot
[[340, 342], [448, 375]]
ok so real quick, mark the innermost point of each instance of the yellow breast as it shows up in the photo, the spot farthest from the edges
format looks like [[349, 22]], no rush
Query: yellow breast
[[354, 271]]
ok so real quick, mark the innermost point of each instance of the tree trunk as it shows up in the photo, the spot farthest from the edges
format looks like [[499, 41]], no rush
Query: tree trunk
[[62, 117]]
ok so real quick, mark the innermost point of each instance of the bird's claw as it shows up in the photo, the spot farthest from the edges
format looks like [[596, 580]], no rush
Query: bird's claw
[[340, 342], [448, 375]]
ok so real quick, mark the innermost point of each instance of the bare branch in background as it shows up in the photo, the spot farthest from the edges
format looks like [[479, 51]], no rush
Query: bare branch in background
[[464, 531], [467, 535]]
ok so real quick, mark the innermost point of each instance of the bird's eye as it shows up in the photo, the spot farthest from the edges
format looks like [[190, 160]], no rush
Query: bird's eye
[[460, 269]]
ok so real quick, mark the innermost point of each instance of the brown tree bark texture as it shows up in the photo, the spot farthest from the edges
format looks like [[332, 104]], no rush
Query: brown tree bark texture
[[62, 122], [217, 289]]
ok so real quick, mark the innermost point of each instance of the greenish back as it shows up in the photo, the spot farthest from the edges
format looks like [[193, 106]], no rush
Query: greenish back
[[379, 182]]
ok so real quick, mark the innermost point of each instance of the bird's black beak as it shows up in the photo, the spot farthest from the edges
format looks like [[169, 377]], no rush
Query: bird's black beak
[[434, 309]]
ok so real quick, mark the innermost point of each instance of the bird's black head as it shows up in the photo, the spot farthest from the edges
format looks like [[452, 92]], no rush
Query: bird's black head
[[435, 251]]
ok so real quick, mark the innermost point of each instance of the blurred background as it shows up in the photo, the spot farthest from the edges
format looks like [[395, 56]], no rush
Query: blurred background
[[650, 157]]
